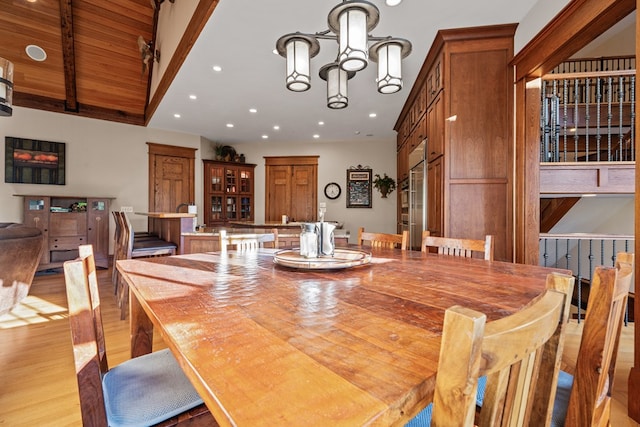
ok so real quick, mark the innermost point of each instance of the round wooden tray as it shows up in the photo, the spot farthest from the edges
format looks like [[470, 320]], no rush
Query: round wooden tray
[[342, 258]]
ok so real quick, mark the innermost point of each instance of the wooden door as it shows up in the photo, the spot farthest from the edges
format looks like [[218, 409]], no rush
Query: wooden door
[[171, 177], [291, 188], [303, 193]]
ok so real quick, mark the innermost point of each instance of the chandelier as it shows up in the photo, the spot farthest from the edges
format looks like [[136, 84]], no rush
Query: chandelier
[[6, 87], [350, 22]]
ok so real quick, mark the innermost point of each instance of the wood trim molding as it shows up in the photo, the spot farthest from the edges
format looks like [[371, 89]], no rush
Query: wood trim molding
[[37, 102], [172, 150], [579, 23], [290, 160], [198, 21]]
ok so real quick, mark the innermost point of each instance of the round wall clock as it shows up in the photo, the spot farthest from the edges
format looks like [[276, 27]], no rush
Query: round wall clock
[[332, 190]]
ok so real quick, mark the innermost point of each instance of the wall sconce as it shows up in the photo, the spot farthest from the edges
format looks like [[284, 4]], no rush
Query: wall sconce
[[6, 87]]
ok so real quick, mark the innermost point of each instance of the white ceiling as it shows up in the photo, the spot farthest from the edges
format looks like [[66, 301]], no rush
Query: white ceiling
[[240, 37]]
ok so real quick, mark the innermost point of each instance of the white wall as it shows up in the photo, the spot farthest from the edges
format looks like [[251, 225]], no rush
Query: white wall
[[102, 159], [110, 160], [334, 160], [600, 215], [539, 15]]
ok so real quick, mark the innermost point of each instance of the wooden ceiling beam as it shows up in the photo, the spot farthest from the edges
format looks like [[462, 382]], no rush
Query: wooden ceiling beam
[[59, 106], [69, 56]]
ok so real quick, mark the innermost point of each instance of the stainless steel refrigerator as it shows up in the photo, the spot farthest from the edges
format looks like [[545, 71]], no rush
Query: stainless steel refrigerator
[[417, 194]]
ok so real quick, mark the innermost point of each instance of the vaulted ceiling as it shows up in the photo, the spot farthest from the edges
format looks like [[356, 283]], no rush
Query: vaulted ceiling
[[94, 68]]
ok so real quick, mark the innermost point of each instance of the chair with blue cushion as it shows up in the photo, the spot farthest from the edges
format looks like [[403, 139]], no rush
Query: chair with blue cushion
[[519, 355], [144, 391], [584, 394]]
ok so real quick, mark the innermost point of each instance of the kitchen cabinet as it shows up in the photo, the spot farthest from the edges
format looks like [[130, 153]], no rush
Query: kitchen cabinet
[[228, 192], [435, 200], [67, 222], [435, 129], [468, 85]]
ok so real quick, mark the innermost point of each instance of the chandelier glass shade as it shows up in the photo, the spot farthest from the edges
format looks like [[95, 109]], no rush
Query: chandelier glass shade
[[336, 79], [350, 23], [298, 49], [388, 54], [6, 87]]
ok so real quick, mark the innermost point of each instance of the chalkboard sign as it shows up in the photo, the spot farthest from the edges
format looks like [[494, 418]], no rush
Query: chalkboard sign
[[358, 187]]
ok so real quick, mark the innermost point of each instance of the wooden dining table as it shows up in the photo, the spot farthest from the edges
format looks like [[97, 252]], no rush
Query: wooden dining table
[[271, 345]]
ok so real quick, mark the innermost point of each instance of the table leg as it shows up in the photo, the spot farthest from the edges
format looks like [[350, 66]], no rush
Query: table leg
[[141, 328]]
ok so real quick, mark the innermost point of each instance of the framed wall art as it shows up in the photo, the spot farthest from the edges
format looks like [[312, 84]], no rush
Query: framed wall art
[[30, 161], [359, 187]]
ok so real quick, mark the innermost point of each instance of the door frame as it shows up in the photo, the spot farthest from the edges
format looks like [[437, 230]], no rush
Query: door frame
[[170, 151]]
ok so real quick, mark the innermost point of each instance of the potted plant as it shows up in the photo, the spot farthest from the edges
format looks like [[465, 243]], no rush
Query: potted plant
[[384, 184]]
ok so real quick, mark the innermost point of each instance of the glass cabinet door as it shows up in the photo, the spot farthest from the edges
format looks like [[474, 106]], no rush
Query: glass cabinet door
[[245, 208], [231, 180], [245, 180], [217, 176], [232, 208], [216, 208]]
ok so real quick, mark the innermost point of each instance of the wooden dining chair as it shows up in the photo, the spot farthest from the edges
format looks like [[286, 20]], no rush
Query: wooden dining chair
[[128, 247], [383, 240], [519, 355], [584, 393], [458, 247], [248, 241], [147, 390]]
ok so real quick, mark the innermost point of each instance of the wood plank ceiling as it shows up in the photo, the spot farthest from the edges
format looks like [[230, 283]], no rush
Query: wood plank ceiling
[[93, 66]]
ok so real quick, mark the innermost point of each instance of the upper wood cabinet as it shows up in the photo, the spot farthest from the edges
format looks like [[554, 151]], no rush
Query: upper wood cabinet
[[291, 188], [228, 192], [434, 79], [434, 129], [469, 128]]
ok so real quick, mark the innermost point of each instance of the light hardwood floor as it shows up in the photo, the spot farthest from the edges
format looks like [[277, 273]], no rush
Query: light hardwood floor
[[37, 378]]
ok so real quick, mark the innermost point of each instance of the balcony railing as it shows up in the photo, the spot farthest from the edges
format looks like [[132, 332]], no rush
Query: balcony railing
[[588, 115], [581, 253]]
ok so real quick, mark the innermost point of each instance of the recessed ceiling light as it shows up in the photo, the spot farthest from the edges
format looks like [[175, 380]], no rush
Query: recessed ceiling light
[[372, 115], [357, 132], [321, 123], [176, 115], [217, 68], [193, 97], [36, 52], [265, 136], [393, 2], [276, 127], [316, 136], [229, 125], [253, 110]]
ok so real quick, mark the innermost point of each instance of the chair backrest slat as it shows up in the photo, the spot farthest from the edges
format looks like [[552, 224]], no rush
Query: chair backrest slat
[[383, 240], [87, 335], [248, 241], [590, 400], [458, 247], [518, 354]]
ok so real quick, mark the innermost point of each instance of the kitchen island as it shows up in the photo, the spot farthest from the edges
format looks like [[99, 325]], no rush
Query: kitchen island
[[208, 239]]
